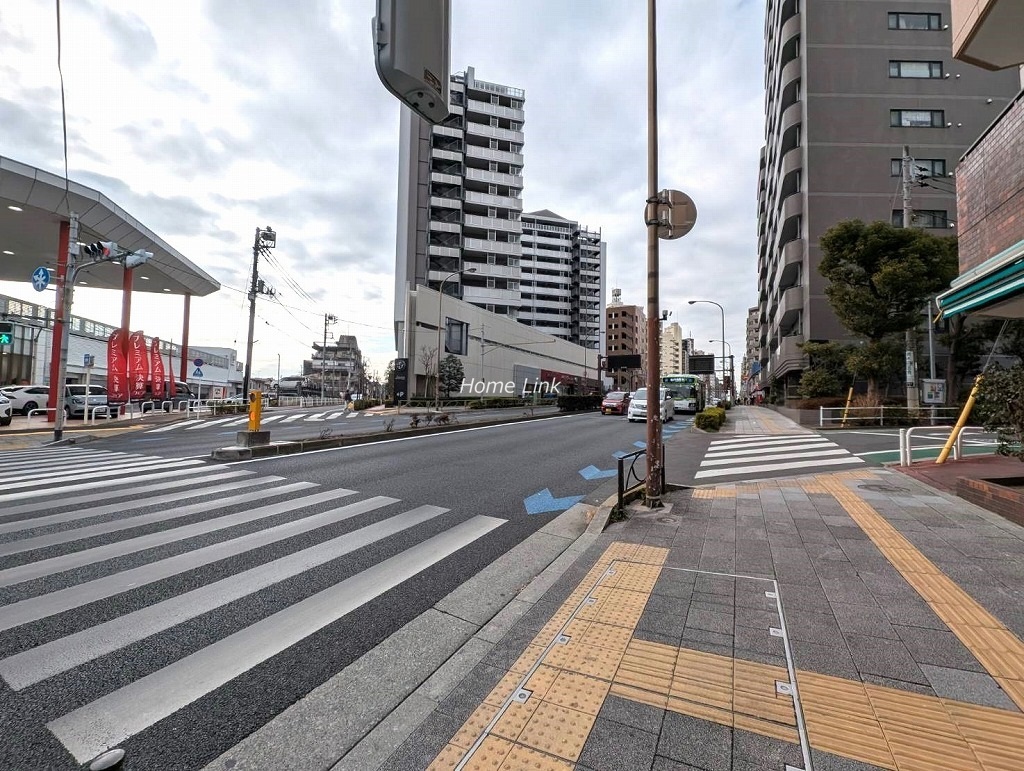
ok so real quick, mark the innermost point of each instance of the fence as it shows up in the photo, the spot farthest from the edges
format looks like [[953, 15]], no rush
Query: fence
[[906, 448], [883, 415]]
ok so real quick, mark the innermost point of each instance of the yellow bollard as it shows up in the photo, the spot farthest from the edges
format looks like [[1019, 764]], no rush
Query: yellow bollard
[[960, 422], [846, 409], [255, 409]]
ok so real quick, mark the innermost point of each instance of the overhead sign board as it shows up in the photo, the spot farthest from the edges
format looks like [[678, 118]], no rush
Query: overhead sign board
[[624, 361], [702, 365]]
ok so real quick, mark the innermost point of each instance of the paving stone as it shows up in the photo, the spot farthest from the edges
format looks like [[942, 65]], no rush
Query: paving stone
[[632, 713], [758, 640], [973, 687], [756, 617], [676, 606], [832, 659], [912, 613], [713, 622], [888, 658], [764, 751], [669, 625], [825, 761], [613, 746], [473, 689], [419, 750], [937, 647], [899, 685], [863, 620], [715, 585], [847, 590], [804, 597], [662, 763], [697, 742], [723, 600], [761, 658]]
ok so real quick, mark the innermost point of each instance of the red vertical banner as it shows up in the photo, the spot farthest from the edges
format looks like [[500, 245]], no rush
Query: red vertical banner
[[117, 369], [138, 365], [156, 368]]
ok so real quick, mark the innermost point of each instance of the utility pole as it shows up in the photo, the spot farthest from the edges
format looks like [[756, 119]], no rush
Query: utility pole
[[329, 318], [913, 399], [266, 238]]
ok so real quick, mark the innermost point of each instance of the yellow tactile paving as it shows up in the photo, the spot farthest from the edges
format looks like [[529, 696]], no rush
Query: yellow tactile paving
[[997, 649]]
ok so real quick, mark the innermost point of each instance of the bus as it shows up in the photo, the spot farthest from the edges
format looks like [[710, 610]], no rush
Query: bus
[[689, 392]]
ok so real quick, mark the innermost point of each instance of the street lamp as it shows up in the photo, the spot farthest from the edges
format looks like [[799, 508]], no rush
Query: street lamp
[[440, 297], [732, 374], [712, 302], [101, 251]]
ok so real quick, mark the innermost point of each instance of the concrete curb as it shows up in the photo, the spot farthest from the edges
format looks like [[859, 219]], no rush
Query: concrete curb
[[359, 720], [307, 445]]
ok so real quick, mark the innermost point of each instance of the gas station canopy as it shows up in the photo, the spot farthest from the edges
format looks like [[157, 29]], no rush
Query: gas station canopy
[[32, 206]]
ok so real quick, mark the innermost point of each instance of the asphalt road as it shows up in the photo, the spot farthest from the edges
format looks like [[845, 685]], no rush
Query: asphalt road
[[197, 667]]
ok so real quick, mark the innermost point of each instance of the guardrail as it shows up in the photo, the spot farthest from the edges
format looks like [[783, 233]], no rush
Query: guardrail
[[308, 401], [625, 475], [37, 411], [906, 448], [829, 416]]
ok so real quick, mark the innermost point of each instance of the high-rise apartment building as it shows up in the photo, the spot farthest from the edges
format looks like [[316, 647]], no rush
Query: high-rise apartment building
[[751, 353], [672, 359], [847, 86], [626, 336], [461, 221]]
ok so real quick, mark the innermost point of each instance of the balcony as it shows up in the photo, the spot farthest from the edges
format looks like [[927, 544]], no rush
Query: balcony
[[789, 356], [443, 251], [495, 271], [790, 305], [446, 203], [494, 223], [986, 33], [493, 132], [497, 110], [487, 154], [495, 247], [491, 295], [485, 199], [445, 227], [447, 179], [448, 155], [494, 177], [448, 131]]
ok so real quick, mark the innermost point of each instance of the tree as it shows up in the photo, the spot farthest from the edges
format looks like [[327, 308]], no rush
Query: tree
[[1001, 406], [428, 356], [880, 278], [827, 372], [452, 374], [389, 382]]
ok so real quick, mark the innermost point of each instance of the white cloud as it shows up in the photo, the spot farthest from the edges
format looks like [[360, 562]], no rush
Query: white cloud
[[206, 120]]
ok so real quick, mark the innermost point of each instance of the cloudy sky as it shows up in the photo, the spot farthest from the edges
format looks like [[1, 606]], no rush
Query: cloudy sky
[[205, 120]]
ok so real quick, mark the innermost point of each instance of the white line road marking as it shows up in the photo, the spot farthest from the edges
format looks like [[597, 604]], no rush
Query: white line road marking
[[47, 567], [292, 418], [781, 456], [106, 722], [776, 467], [766, 441], [760, 450], [316, 416], [208, 423], [133, 479], [173, 426], [82, 471], [37, 664]]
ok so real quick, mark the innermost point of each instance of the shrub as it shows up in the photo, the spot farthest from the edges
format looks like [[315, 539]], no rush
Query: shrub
[[818, 382], [1000, 405], [579, 402], [364, 404], [710, 419], [494, 404]]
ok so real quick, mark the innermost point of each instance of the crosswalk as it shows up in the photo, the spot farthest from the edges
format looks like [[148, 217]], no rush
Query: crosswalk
[[746, 456], [108, 559], [234, 421]]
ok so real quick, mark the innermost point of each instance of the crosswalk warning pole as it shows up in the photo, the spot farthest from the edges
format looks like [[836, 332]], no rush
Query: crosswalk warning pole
[[255, 410]]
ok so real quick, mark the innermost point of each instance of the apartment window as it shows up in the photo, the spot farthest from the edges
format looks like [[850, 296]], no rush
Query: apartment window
[[492, 211], [917, 118], [492, 259], [513, 285], [517, 104], [489, 307], [923, 218], [492, 166], [490, 283], [932, 21], [924, 167], [493, 144], [492, 189], [495, 99], [516, 126], [513, 238], [513, 261], [494, 122], [456, 337], [898, 69]]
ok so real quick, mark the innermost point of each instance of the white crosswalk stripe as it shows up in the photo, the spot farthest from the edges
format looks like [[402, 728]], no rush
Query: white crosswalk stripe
[[199, 424], [140, 546], [771, 455]]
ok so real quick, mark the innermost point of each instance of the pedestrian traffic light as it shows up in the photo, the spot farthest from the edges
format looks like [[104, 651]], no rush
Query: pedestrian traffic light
[[100, 249], [6, 333]]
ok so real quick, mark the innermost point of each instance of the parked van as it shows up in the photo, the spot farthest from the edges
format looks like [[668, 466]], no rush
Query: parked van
[[183, 393]]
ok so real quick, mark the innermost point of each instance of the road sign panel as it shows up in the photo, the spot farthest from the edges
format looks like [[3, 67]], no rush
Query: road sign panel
[[197, 372], [198, 362], [40, 278]]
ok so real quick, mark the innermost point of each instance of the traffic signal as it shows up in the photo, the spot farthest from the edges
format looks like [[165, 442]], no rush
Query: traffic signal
[[100, 249], [137, 258], [6, 333]]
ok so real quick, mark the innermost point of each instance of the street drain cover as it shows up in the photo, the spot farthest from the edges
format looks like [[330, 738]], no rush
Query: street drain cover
[[668, 520]]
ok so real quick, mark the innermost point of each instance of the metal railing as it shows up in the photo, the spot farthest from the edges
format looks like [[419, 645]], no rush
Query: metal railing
[[627, 475], [877, 416], [907, 450]]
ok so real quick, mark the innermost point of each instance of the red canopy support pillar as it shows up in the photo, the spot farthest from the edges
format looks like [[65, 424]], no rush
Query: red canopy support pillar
[[184, 339], [58, 324]]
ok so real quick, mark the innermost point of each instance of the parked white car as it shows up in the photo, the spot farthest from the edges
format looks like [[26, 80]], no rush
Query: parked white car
[[5, 411], [638, 406], [27, 397]]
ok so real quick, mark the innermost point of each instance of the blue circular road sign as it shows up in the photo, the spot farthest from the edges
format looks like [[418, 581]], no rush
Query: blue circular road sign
[[40, 278]]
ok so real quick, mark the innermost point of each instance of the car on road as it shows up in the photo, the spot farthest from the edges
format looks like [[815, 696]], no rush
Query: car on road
[[638, 406], [6, 411], [615, 403]]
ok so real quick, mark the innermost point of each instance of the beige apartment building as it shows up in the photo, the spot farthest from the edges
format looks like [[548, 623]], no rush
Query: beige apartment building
[[673, 359], [626, 336]]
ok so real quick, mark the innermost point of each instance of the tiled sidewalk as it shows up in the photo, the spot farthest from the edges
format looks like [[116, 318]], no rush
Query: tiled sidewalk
[[852, 620]]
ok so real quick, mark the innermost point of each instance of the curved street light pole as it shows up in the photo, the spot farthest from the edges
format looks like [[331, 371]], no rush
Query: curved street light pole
[[712, 302], [440, 298], [732, 374]]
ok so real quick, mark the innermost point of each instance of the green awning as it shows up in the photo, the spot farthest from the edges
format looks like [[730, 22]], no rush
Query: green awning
[[995, 288]]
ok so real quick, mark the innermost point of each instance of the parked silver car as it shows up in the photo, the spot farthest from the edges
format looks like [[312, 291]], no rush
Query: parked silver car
[[6, 411]]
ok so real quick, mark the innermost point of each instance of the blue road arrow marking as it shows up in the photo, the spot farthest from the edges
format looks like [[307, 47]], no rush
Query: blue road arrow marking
[[544, 501], [641, 445], [619, 454], [593, 472]]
